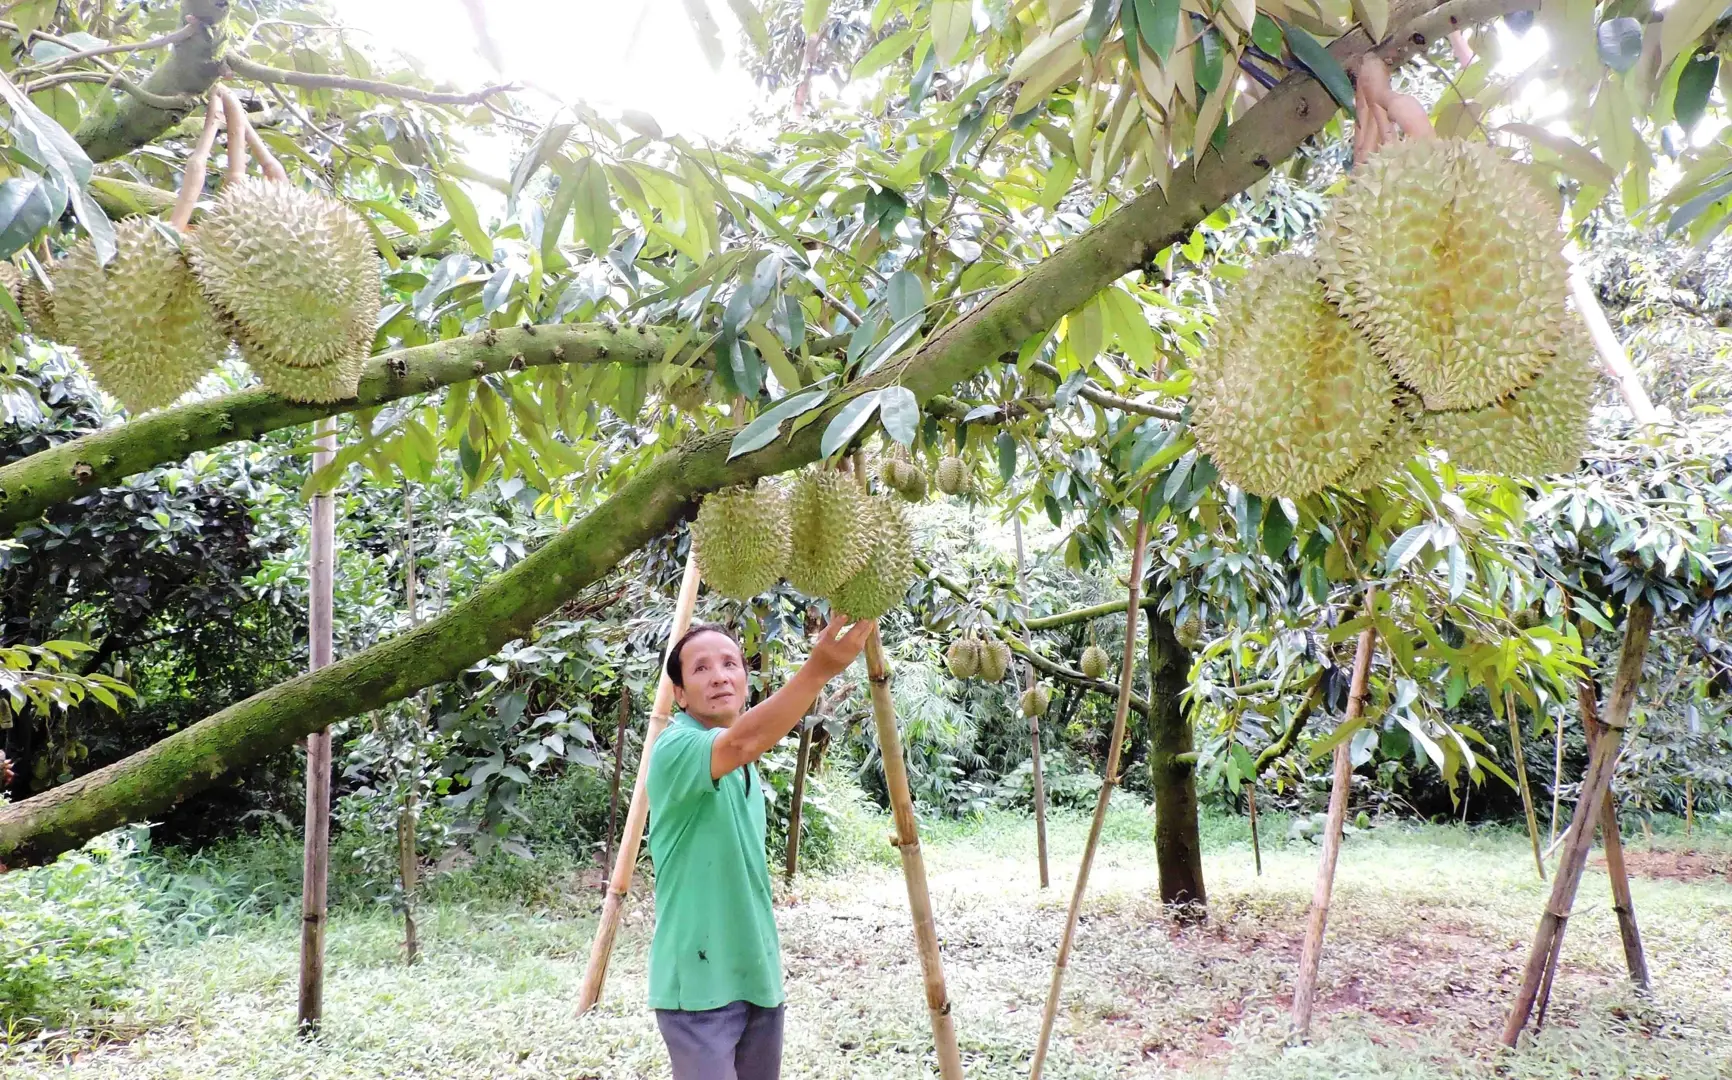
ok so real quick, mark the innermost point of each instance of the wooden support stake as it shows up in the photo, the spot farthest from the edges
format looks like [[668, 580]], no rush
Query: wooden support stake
[[1029, 680], [408, 815], [316, 854], [1109, 777], [1305, 986], [791, 862], [1256, 847], [1635, 958], [1521, 769], [1548, 938], [1557, 776], [618, 771], [625, 860]]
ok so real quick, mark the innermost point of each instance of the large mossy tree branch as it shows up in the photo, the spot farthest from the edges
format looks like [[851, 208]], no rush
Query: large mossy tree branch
[[31, 485], [126, 122], [654, 501]]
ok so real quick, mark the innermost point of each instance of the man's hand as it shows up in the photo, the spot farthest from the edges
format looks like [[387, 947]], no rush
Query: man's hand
[[833, 650]]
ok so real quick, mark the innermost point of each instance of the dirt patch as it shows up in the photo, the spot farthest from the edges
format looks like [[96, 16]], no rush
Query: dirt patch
[[1675, 865]]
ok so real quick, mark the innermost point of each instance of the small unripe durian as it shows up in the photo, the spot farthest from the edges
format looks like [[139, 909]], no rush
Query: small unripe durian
[[963, 658], [1036, 700], [953, 476], [1289, 398], [905, 479], [882, 581], [1189, 630], [994, 659], [1094, 662], [826, 513], [1450, 260], [140, 323], [740, 539], [37, 304], [1526, 619]]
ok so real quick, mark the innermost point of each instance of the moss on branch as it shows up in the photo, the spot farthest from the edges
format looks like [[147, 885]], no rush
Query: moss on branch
[[126, 122]]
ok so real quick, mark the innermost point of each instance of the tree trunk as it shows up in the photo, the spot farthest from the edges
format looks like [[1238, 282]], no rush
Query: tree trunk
[[1172, 777], [122, 123], [316, 864], [1548, 939], [653, 501], [1311, 957], [791, 863]]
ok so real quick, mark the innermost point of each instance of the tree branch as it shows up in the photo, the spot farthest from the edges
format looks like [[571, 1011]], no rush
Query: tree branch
[[656, 499], [1295, 726], [1076, 615], [1106, 400], [252, 69], [161, 42], [126, 123], [181, 103], [1071, 675]]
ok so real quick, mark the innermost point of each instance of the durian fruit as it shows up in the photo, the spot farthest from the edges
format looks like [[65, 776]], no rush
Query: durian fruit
[[689, 396], [1526, 619], [12, 281], [1188, 632], [140, 323], [828, 541], [963, 658], [905, 479], [1406, 438], [1537, 430], [1094, 662], [953, 476], [882, 581], [994, 659], [297, 276], [1035, 700], [1450, 260], [1289, 399], [740, 539]]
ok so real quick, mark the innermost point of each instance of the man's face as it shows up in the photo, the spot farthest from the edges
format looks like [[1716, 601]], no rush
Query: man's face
[[714, 673]]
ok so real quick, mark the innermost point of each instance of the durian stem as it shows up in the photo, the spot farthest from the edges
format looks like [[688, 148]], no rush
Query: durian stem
[[1109, 778], [268, 163], [192, 177], [235, 127]]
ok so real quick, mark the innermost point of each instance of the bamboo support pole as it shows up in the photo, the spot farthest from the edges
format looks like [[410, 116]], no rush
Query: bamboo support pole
[[796, 802], [1548, 938], [316, 852], [408, 815], [1521, 770], [618, 772], [1109, 778], [1623, 905], [1557, 776], [1029, 680], [1256, 845], [1613, 358], [1311, 958], [625, 860]]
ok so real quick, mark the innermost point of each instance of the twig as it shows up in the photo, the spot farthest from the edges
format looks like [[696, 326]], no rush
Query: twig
[[165, 102], [192, 177], [252, 69], [1102, 398], [162, 42]]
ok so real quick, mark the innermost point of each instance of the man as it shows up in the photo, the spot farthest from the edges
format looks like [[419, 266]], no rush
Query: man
[[715, 967]]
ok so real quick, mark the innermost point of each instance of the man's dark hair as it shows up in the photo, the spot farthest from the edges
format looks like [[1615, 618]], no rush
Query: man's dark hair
[[675, 674]]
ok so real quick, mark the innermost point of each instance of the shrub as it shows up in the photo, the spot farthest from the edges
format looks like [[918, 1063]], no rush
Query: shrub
[[69, 934]]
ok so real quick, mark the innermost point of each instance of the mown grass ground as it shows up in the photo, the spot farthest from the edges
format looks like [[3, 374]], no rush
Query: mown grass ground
[[1428, 932]]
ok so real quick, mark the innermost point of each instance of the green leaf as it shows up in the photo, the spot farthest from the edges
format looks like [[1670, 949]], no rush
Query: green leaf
[[1406, 546], [1277, 530], [546, 144], [812, 15], [884, 53], [848, 422], [1006, 456], [752, 21], [593, 218], [1266, 35], [899, 335], [1693, 209], [1695, 83], [1207, 61], [762, 431], [900, 413], [1101, 16], [1321, 63], [641, 122], [463, 215], [951, 21], [1620, 43], [1158, 24], [704, 25], [26, 208], [905, 294]]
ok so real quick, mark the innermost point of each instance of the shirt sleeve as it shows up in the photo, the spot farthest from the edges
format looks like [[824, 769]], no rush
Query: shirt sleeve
[[680, 767]]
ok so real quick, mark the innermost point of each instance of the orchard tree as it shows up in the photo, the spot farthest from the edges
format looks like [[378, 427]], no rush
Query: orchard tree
[[1008, 187]]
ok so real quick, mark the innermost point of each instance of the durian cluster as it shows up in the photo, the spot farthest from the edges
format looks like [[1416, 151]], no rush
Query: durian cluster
[[969, 656], [824, 534], [1434, 311], [289, 275]]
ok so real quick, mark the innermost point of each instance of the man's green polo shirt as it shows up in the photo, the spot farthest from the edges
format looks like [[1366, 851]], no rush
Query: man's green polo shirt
[[715, 938]]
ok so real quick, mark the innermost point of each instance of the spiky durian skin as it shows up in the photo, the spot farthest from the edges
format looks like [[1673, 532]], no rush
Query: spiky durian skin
[[963, 658], [1036, 700], [1289, 398], [882, 582], [1094, 662], [905, 479], [827, 542], [37, 304], [140, 323], [953, 477], [994, 659], [1405, 438], [295, 272], [1449, 259], [12, 281], [740, 539], [1540, 429], [1188, 632]]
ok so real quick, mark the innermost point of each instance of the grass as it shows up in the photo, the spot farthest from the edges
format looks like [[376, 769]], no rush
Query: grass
[[1429, 928]]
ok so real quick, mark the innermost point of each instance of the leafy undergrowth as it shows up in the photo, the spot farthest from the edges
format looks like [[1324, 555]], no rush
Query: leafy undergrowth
[[1426, 939]]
